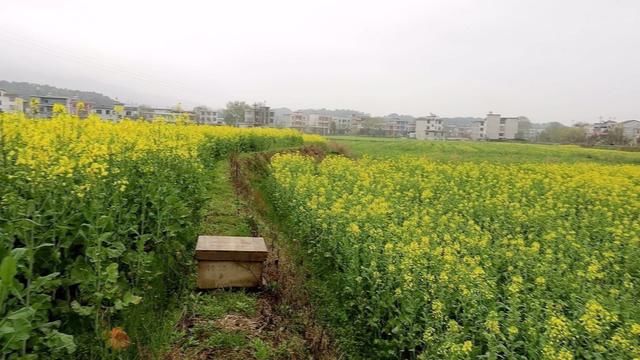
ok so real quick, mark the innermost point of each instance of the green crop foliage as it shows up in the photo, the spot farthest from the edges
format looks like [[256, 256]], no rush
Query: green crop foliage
[[98, 222], [413, 258]]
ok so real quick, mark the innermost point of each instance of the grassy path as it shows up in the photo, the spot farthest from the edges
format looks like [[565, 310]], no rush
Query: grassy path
[[238, 324]]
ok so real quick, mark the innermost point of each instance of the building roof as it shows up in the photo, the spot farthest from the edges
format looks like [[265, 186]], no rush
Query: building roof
[[49, 97], [101, 106]]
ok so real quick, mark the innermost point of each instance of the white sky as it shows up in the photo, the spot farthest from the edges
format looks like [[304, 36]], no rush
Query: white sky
[[551, 60]]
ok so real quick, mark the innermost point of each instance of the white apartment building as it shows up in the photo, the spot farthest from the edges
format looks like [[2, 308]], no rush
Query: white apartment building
[[342, 124], [456, 132], [105, 112], [258, 115], [320, 124], [131, 112], [282, 117], [398, 125], [631, 130], [205, 115], [10, 103], [477, 130], [602, 128], [497, 127], [298, 120], [429, 128], [150, 114]]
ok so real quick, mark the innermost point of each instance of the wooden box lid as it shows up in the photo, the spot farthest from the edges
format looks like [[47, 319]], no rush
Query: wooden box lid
[[231, 248]]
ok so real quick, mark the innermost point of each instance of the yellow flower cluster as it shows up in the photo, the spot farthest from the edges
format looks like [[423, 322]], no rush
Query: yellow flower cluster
[[107, 214], [66, 144], [312, 138], [534, 260]]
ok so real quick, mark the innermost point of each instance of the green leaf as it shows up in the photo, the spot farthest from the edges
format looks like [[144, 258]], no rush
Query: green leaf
[[80, 272], [21, 331], [81, 310], [112, 272], [6, 329], [116, 250], [7, 269], [44, 245], [129, 298], [60, 342], [22, 314], [18, 253], [46, 283]]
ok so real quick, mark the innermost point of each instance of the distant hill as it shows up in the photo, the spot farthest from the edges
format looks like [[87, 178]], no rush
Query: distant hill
[[283, 110], [25, 89], [401, 117], [460, 121]]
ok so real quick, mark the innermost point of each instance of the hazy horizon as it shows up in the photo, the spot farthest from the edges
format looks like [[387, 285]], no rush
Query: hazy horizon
[[563, 61]]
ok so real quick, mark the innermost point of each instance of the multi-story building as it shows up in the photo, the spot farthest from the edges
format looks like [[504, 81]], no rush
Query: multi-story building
[[319, 124], [131, 112], [497, 127], [457, 132], [105, 112], [478, 130], [282, 117], [398, 125], [357, 124], [429, 128], [80, 107], [602, 128], [205, 115], [299, 121], [258, 115], [42, 106], [341, 124], [169, 115], [631, 131], [10, 103]]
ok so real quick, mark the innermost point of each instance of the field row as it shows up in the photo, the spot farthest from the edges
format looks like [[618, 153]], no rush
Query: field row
[[97, 225], [415, 258], [497, 152]]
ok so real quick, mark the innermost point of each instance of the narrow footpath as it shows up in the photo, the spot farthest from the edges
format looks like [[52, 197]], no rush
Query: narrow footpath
[[272, 322]]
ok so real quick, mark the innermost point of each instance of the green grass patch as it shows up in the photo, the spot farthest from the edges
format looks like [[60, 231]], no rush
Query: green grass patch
[[219, 303], [474, 151], [223, 214]]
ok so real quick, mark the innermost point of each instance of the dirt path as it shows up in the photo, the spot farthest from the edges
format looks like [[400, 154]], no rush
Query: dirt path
[[273, 322]]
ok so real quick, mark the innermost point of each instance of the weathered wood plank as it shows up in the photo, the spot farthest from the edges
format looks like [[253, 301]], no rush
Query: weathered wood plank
[[223, 274], [236, 248]]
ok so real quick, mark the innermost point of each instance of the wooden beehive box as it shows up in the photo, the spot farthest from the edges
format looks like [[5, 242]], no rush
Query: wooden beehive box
[[230, 261]]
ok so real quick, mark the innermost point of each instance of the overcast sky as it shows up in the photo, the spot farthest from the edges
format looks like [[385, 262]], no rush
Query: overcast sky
[[550, 60]]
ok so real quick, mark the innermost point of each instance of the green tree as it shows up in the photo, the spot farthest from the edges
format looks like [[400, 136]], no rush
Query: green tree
[[615, 136], [234, 112], [558, 133], [524, 126], [372, 125]]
